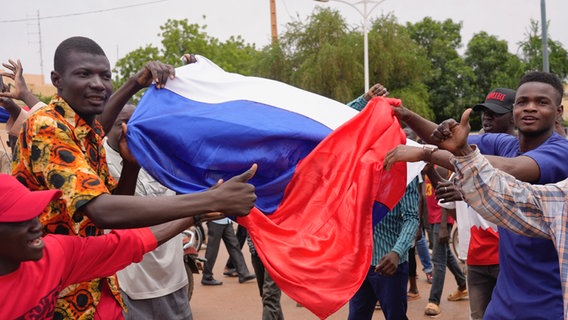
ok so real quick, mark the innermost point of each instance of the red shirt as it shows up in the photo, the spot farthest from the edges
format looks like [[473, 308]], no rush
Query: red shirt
[[434, 210], [31, 291]]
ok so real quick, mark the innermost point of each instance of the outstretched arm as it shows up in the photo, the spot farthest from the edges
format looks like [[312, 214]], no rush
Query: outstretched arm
[[153, 72], [235, 197], [422, 126]]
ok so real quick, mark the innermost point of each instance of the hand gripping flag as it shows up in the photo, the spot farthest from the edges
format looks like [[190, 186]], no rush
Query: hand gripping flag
[[320, 183]]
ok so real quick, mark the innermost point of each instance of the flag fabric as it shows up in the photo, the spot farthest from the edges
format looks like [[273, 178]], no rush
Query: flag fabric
[[320, 183]]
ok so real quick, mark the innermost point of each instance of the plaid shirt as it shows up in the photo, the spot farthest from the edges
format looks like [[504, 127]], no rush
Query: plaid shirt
[[397, 230], [530, 210]]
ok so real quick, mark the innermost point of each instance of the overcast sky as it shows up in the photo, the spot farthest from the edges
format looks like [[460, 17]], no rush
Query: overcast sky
[[121, 26]]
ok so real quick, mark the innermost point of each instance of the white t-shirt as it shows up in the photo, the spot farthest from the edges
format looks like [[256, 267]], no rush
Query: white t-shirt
[[161, 271]]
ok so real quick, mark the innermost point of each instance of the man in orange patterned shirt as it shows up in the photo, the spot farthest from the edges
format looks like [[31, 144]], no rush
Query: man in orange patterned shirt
[[60, 147]]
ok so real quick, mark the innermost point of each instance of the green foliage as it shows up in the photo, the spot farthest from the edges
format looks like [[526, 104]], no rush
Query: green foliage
[[418, 63], [180, 37], [492, 64], [318, 55], [531, 52], [133, 62], [450, 81]]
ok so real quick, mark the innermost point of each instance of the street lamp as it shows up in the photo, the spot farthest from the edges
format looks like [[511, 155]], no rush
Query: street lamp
[[365, 13]]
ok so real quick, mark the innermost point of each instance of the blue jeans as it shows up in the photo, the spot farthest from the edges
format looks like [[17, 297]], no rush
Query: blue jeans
[[390, 291], [442, 256], [423, 253]]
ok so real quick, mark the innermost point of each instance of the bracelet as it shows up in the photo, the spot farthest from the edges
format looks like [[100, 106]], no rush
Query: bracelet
[[196, 219], [428, 149]]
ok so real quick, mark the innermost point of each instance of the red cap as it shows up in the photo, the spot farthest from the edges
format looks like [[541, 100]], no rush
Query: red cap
[[18, 203]]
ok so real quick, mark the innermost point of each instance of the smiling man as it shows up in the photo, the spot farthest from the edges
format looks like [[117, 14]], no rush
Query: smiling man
[[530, 277], [35, 269], [60, 147]]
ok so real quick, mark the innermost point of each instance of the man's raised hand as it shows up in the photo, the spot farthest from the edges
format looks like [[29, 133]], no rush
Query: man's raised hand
[[236, 196], [452, 136]]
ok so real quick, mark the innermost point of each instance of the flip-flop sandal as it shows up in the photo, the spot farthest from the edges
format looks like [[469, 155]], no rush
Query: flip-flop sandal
[[413, 296]]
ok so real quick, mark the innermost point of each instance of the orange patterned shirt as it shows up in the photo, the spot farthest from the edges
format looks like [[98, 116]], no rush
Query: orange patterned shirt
[[57, 149]]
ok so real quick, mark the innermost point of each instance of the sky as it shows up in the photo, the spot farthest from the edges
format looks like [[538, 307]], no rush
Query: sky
[[121, 26]]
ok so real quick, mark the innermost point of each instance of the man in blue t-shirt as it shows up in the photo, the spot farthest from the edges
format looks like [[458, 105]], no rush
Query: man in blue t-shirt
[[528, 286]]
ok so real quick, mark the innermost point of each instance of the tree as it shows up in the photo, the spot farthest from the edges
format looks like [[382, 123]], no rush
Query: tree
[[324, 55], [531, 52], [179, 37], [319, 55], [450, 82], [492, 64], [400, 64]]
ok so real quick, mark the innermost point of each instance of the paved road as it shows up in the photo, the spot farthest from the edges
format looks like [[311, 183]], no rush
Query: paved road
[[235, 301]]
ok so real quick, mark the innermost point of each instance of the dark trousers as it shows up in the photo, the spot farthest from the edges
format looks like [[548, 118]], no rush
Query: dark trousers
[[242, 238], [216, 232], [269, 291], [390, 291]]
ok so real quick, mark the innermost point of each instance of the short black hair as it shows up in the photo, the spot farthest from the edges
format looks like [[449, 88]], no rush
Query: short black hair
[[544, 77], [76, 44]]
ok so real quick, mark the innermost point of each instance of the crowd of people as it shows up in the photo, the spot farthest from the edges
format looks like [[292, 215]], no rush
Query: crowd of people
[[69, 185]]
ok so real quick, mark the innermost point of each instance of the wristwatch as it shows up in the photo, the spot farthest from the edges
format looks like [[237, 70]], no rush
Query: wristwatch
[[428, 149]]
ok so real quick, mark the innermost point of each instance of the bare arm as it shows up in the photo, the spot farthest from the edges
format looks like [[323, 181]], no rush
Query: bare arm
[[233, 197], [154, 71], [522, 167], [423, 127], [168, 230]]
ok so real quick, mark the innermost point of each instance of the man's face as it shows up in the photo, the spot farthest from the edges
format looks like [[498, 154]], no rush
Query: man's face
[[20, 241], [85, 83], [536, 108], [492, 122], [116, 130]]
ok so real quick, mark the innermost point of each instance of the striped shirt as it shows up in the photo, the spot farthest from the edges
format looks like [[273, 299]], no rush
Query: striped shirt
[[396, 231], [530, 210]]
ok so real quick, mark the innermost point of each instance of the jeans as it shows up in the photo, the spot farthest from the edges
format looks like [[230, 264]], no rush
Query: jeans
[[423, 253], [442, 256], [481, 281], [390, 291]]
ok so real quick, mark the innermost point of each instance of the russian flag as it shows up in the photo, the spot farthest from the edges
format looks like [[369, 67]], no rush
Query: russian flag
[[320, 183]]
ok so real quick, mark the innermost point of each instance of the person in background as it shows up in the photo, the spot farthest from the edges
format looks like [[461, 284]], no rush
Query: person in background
[[387, 277], [441, 220], [60, 147], [156, 287], [482, 236], [419, 244], [217, 230], [19, 91], [268, 289], [230, 269]]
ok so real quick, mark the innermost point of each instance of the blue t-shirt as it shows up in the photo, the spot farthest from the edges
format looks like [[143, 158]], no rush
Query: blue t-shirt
[[528, 286]]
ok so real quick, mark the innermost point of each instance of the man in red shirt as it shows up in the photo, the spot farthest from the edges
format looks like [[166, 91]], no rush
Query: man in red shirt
[[34, 270]]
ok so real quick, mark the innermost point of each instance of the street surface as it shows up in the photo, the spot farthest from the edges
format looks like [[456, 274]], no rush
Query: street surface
[[235, 301]]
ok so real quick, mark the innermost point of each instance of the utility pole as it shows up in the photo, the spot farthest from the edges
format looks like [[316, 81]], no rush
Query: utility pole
[[273, 20], [545, 63], [38, 33]]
